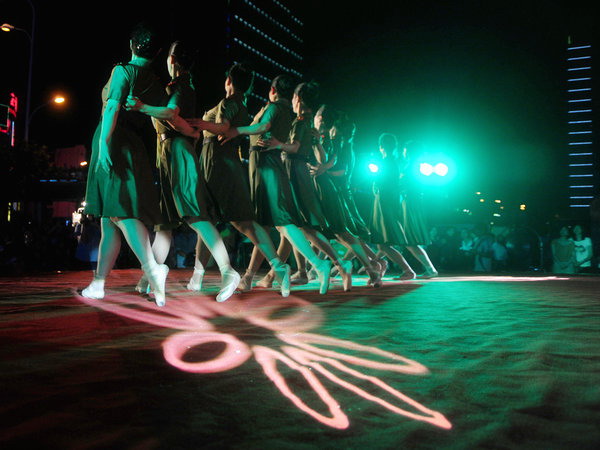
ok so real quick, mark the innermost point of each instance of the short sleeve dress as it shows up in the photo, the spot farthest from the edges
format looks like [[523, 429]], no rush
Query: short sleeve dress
[[226, 177], [386, 226], [128, 189], [183, 189], [345, 162], [296, 165], [332, 203], [270, 188]]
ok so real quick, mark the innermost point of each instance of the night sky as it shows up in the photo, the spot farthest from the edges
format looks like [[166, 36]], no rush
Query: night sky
[[480, 81]]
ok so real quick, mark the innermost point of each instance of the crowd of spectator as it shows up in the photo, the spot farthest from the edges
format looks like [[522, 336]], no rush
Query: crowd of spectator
[[59, 244]]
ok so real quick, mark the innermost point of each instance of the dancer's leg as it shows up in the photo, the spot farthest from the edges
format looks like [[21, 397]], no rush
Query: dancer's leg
[[108, 251], [138, 238], [301, 274], [160, 249], [422, 256], [263, 243], [298, 240], [396, 257], [162, 245], [201, 257], [283, 251], [209, 234], [322, 243], [352, 242]]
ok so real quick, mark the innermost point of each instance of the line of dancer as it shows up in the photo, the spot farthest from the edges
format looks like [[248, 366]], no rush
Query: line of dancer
[[298, 180]]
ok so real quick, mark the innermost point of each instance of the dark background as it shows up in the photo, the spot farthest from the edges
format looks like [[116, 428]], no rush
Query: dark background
[[482, 82]]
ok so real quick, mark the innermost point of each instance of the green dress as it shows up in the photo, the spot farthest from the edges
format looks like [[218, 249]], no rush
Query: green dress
[[413, 210], [128, 189], [386, 226], [183, 188], [332, 203], [270, 188], [296, 165], [345, 161], [226, 177]]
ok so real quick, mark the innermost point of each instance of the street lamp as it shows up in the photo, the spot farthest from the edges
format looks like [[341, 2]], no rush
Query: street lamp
[[6, 27], [57, 100]]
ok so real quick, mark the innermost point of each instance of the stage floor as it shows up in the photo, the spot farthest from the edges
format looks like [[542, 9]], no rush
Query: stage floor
[[454, 362]]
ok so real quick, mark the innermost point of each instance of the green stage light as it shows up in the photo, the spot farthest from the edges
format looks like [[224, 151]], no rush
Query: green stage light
[[426, 169], [441, 169], [373, 168], [434, 169]]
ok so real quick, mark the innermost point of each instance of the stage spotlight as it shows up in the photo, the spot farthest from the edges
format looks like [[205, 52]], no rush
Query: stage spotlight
[[373, 168], [441, 169], [426, 169]]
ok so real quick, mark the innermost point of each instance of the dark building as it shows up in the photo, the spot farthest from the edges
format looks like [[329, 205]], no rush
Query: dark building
[[267, 35], [583, 158]]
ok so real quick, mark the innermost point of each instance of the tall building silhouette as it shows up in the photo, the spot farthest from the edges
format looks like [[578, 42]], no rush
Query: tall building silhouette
[[581, 147], [268, 36]]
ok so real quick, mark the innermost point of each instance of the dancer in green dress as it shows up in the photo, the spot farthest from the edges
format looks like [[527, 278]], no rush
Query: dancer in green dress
[[342, 140], [225, 177], [336, 211], [270, 188], [120, 186], [386, 227], [414, 223], [297, 154], [184, 196]]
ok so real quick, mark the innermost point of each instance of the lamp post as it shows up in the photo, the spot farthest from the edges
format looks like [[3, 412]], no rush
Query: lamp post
[[31, 36], [57, 99]]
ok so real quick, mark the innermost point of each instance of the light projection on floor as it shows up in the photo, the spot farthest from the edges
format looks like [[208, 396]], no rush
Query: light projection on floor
[[321, 360]]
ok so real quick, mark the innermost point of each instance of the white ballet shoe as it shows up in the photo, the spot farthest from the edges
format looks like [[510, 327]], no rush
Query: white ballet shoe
[[323, 274], [230, 282], [95, 290], [157, 277], [282, 275], [195, 283]]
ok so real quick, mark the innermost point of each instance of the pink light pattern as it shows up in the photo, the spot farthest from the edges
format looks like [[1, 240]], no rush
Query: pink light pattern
[[300, 351]]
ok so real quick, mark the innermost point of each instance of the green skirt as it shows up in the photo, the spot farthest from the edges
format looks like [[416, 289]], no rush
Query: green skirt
[[386, 226], [332, 204], [358, 226], [271, 191], [183, 188], [305, 193], [128, 189], [227, 182], [415, 225]]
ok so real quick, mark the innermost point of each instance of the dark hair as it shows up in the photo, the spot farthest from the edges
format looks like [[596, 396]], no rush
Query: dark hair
[[309, 94], [242, 77], [184, 54], [144, 40], [328, 114], [284, 85], [344, 125], [388, 141]]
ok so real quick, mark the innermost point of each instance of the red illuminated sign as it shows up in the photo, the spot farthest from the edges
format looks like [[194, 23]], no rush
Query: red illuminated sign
[[11, 117]]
